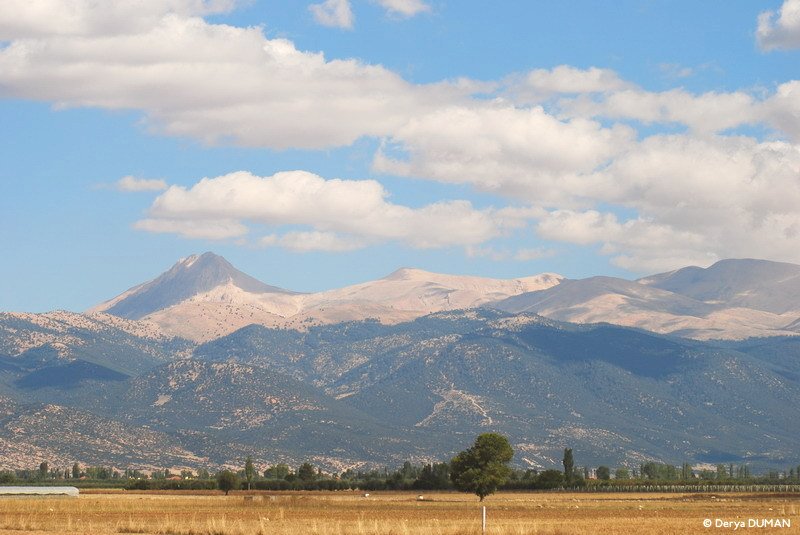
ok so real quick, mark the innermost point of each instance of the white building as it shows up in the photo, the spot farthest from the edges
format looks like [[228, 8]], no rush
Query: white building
[[38, 491]]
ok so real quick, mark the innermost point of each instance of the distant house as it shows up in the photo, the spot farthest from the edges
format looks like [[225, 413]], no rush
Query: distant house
[[39, 491]]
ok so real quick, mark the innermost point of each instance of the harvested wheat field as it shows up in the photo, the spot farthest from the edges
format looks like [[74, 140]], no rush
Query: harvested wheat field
[[346, 513]]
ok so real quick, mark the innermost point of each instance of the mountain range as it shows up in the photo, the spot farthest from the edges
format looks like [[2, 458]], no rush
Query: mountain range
[[205, 365], [204, 297], [732, 299]]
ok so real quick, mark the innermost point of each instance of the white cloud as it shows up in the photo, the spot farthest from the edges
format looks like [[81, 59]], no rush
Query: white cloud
[[566, 79], [782, 110], [340, 214], [694, 182], [565, 142], [697, 200], [333, 13], [707, 113], [780, 30], [636, 244], [312, 241], [131, 183], [404, 8], [50, 18], [210, 229], [523, 153], [215, 83], [541, 84]]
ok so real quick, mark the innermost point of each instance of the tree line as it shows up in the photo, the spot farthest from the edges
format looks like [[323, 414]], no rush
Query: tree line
[[481, 469]]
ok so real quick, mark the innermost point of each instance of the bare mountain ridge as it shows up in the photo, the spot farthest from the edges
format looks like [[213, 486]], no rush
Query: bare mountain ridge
[[204, 297], [732, 299], [187, 278], [758, 284]]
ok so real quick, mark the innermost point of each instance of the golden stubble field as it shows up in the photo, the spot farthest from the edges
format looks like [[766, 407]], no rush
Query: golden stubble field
[[390, 513]]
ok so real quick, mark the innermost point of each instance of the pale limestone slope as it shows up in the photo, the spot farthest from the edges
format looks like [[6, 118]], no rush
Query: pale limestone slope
[[646, 306], [422, 291], [730, 323], [402, 296]]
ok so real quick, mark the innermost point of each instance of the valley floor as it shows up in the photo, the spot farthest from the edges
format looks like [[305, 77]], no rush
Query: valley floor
[[390, 513]]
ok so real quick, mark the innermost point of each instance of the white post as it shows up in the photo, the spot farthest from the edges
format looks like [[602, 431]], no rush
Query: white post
[[484, 520]]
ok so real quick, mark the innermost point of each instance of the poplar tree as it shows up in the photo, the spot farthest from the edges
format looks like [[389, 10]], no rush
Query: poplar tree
[[249, 471], [569, 466]]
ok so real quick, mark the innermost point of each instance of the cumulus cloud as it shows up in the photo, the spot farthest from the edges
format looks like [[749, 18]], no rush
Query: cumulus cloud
[[303, 242], [131, 183], [209, 229], [541, 84], [404, 8], [567, 143], [780, 30], [692, 181], [49, 18], [697, 200], [706, 113], [333, 13], [696, 196], [601, 94], [782, 110], [637, 244], [566, 79], [212, 82], [339, 214], [524, 153]]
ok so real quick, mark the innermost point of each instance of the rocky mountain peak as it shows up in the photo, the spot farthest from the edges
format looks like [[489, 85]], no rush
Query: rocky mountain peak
[[189, 277]]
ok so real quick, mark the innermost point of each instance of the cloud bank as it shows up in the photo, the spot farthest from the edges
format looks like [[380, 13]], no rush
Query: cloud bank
[[335, 214], [216, 83], [653, 179]]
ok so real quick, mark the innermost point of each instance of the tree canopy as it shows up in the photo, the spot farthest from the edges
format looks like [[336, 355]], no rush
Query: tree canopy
[[484, 466], [603, 472], [306, 472], [569, 466], [249, 471], [227, 481]]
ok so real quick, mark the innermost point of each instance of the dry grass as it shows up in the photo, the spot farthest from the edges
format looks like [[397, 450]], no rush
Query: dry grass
[[347, 513]]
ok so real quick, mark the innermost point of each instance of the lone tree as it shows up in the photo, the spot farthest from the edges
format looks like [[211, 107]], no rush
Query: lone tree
[[43, 469], [227, 481], [484, 466], [249, 471], [569, 466], [603, 472], [306, 472]]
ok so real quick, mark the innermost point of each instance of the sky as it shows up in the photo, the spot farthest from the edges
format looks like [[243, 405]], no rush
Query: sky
[[317, 144]]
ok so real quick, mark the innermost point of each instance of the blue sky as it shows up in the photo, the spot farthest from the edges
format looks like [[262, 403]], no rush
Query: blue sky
[[342, 141]]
